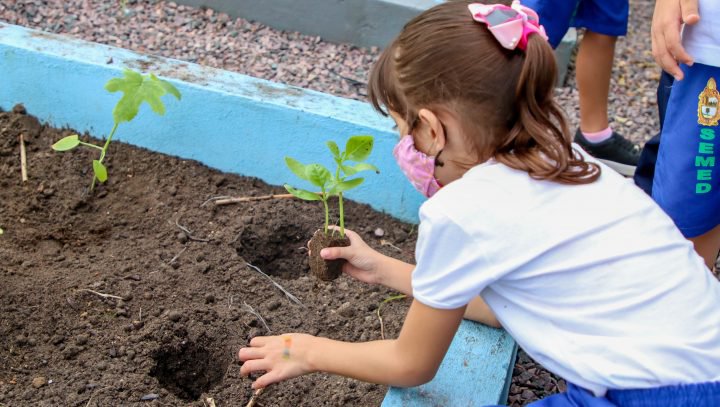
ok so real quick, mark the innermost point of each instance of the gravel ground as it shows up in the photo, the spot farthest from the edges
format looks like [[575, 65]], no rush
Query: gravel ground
[[214, 39]]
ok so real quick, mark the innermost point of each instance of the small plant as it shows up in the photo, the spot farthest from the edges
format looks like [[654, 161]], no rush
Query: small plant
[[136, 89], [348, 163]]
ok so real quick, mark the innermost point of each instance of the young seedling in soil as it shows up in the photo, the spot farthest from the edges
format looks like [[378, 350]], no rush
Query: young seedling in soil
[[347, 164], [136, 89]]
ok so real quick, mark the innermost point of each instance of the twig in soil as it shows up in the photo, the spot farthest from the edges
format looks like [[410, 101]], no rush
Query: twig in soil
[[251, 310], [101, 294], [287, 294], [228, 200], [23, 159], [379, 315], [178, 255], [189, 234], [384, 242], [254, 397], [215, 198]]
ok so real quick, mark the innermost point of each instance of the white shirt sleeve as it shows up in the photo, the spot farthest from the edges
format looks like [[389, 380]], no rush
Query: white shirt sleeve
[[451, 265]]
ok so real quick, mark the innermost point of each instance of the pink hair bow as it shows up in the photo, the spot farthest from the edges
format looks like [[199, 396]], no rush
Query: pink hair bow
[[511, 26]]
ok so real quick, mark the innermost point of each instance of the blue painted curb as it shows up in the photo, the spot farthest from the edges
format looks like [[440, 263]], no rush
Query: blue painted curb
[[475, 372], [239, 124]]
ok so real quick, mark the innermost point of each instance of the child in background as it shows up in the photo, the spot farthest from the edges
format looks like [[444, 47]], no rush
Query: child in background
[[686, 183], [604, 21], [617, 303]]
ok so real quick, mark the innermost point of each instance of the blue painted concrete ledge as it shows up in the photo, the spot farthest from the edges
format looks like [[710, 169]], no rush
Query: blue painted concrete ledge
[[243, 125]]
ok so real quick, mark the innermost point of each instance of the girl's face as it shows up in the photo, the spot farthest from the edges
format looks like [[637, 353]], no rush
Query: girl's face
[[442, 140]]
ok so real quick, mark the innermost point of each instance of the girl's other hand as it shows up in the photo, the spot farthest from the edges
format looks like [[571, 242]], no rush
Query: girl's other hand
[[668, 18], [280, 357], [362, 261]]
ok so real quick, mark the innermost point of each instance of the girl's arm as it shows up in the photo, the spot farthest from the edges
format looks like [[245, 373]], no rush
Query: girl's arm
[[370, 266], [410, 360]]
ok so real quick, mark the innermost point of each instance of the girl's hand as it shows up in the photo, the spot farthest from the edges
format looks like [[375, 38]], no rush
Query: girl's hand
[[363, 263], [280, 357]]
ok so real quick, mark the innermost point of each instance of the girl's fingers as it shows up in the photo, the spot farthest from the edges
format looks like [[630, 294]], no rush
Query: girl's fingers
[[259, 341], [331, 253], [266, 380], [690, 11], [249, 353], [255, 365]]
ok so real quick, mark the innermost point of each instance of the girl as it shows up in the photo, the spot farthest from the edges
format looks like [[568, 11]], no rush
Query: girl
[[618, 303]]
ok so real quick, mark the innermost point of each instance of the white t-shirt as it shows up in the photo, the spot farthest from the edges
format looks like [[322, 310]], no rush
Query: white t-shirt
[[593, 281], [702, 40]]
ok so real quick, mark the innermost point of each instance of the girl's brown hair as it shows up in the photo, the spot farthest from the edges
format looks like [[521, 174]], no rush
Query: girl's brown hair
[[446, 62]]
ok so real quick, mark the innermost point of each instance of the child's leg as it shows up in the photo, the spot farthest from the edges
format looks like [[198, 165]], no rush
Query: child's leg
[[687, 181], [593, 72]]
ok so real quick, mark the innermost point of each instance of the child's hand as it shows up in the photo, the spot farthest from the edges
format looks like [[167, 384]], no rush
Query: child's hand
[[667, 22], [280, 357], [363, 261]]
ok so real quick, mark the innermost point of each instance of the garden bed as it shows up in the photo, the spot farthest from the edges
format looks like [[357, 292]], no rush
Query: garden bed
[[184, 298]]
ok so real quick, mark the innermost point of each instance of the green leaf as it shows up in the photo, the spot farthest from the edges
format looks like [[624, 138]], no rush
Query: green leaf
[[296, 167], [66, 143], [137, 89], [303, 194], [100, 171], [344, 186], [334, 149], [358, 148], [351, 170], [317, 174]]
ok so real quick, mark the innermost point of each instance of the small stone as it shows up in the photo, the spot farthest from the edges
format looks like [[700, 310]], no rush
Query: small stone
[[138, 324], [121, 312], [81, 339], [174, 316], [209, 299], [57, 340], [19, 109], [173, 190], [274, 305], [21, 340], [346, 310], [39, 382], [149, 397], [112, 352], [527, 395], [379, 232], [182, 237]]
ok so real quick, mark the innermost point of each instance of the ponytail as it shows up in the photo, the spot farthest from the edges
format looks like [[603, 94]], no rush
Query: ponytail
[[539, 141]]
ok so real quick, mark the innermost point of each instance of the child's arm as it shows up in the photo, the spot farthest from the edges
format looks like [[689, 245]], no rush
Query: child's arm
[[370, 266], [410, 360]]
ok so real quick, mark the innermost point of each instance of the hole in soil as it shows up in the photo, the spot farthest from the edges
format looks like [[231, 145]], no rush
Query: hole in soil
[[188, 370], [277, 243]]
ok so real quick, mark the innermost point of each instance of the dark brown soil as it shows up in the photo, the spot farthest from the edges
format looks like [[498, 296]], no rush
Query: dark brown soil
[[326, 270], [185, 305]]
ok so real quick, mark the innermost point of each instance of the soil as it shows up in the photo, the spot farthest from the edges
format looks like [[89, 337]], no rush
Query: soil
[[326, 270], [141, 290]]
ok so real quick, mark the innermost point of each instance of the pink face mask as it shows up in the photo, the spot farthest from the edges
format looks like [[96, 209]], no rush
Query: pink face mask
[[417, 166]]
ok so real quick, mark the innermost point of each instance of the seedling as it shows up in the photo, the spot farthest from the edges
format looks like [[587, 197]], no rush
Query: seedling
[[348, 163], [136, 89]]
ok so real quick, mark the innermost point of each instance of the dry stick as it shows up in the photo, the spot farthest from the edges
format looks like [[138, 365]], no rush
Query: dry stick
[[214, 198], [23, 159], [101, 294], [177, 255], [251, 310], [227, 201], [385, 301], [254, 397], [189, 233], [287, 294]]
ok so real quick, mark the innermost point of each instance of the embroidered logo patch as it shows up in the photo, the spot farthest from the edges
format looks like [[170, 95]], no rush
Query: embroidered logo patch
[[708, 114]]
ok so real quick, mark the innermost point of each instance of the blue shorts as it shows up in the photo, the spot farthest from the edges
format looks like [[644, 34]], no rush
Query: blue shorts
[[609, 17], [687, 181], [684, 395]]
